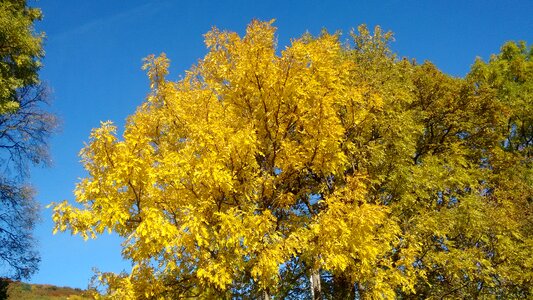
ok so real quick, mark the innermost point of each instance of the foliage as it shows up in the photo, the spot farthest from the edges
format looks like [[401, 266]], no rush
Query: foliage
[[327, 170], [24, 129], [20, 290], [20, 51]]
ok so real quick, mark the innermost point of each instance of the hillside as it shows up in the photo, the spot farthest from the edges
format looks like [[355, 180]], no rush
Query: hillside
[[24, 291]]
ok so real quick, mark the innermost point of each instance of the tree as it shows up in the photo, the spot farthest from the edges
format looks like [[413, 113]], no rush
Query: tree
[[20, 50], [24, 129], [329, 171]]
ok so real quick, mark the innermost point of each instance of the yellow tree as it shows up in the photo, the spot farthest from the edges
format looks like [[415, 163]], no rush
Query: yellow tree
[[326, 170]]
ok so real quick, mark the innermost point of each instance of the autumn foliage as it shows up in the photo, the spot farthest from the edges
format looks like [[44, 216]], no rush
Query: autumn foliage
[[328, 169]]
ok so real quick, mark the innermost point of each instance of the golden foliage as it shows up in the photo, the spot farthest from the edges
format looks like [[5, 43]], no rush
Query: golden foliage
[[261, 168]]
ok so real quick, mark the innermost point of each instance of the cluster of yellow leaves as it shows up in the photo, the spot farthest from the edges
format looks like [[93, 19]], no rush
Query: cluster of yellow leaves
[[259, 169]]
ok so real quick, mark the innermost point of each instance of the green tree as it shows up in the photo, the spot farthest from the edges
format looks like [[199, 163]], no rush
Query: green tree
[[327, 171], [506, 82], [24, 129], [20, 51]]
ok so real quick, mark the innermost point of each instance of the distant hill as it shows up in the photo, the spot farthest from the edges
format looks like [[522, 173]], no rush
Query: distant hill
[[15, 290]]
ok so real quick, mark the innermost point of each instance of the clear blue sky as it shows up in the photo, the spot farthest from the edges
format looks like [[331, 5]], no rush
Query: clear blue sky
[[94, 52]]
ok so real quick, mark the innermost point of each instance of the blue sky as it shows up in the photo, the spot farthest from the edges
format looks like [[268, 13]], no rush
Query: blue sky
[[94, 52]]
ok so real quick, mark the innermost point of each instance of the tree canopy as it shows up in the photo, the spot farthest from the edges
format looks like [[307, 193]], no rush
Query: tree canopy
[[24, 129], [326, 170], [20, 51]]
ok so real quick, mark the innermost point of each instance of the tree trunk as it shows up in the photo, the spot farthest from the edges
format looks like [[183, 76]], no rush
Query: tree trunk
[[266, 296], [343, 288], [316, 289]]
